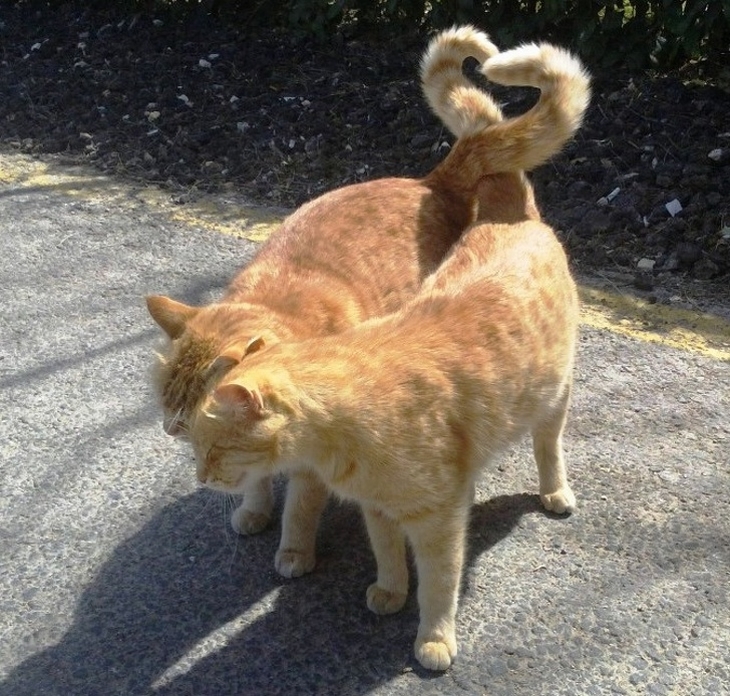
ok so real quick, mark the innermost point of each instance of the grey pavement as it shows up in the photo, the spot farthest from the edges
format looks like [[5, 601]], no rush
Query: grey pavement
[[118, 575]]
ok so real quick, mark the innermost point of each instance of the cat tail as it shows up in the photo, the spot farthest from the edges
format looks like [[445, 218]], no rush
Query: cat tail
[[526, 141], [460, 105]]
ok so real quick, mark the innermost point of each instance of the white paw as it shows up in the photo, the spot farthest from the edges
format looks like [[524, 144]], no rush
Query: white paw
[[382, 601], [292, 563], [560, 501], [249, 522], [436, 654]]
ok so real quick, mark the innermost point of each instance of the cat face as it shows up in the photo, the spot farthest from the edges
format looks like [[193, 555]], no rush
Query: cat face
[[235, 434], [198, 355]]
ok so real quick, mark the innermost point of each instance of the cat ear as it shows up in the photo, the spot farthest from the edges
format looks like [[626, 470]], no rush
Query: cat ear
[[233, 355], [172, 316], [239, 398], [255, 344], [229, 358]]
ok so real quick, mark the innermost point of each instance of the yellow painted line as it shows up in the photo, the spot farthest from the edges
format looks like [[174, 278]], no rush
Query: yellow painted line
[[630, 316], [621, 314], [225, 215]]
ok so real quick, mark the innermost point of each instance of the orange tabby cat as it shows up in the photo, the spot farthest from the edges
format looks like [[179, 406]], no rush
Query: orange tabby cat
[[401, 413], [363, 250]]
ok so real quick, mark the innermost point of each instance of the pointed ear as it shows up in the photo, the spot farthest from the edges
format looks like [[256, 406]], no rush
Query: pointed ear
[[229, 358], [233, 355], [171, 316], [255, 344], [238, 398]]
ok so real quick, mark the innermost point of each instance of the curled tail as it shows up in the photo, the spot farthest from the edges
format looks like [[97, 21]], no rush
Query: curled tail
[[488, 144], [565, 93], [462, 107]]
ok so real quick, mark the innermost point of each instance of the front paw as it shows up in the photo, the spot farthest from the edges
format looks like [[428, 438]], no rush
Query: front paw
[[292, 563], [249, 522], [382, 601], [436, 654], [560, 501]]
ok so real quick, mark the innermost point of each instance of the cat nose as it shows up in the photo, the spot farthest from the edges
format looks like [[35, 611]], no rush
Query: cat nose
[[201, 472]]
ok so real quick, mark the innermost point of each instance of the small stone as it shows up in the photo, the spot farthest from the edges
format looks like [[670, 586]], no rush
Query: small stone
[[212, 166], [669, 476], [646, 264], [673, 207], [716, 154]]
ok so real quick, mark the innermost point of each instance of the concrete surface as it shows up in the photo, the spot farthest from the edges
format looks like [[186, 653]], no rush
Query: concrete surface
[[119, 576]]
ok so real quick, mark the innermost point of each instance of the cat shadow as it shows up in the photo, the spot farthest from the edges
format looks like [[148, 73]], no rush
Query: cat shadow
[[185, 606], [492, 520]]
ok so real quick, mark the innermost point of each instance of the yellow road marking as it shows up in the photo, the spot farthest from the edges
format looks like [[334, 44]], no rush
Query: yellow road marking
[[621, 314], [691, 331], [225, 215]]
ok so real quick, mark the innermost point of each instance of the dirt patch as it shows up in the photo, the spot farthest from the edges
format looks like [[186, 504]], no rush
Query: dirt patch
[[641, 198]]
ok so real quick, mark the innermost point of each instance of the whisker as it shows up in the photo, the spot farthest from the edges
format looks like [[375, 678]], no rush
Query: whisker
[[209, 500], [230, 504], [179, 424], [227, 509]]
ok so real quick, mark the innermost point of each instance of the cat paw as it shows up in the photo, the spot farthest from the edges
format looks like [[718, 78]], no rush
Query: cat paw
[[292, 563], [561, 501], [248, 522], [436, 654], [382, 601]]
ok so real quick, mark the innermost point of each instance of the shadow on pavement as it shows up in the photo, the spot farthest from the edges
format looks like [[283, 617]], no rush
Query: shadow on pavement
[[140, 626]]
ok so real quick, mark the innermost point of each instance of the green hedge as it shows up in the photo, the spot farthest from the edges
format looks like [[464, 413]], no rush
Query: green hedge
[[634, 34]]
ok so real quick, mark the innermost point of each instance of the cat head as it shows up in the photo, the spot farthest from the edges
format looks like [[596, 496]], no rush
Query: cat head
[[204, 344], [239, 429]]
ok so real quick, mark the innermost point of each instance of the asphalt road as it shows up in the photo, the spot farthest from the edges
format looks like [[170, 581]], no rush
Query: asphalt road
[[118, 575]]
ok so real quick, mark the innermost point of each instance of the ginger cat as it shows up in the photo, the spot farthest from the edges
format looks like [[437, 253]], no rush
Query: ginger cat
[[363, 250], [400, 413]]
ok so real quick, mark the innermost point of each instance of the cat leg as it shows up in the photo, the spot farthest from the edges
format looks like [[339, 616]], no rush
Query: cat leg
[[438, 549], [547, 442], [306, 497], [389, 592], [253, 515]]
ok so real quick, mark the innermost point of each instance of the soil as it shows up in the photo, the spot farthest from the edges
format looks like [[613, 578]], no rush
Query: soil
[[640, 198]]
